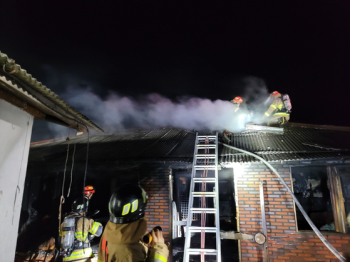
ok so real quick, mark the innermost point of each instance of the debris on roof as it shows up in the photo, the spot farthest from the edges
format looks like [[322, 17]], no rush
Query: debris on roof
[[256, 128]]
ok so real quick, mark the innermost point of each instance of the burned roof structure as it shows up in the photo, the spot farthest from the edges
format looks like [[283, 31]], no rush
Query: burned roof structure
[[173, 145], [160, 160]]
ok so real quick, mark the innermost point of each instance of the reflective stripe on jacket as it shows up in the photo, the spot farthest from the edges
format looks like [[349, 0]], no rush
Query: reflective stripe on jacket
[[277, 104], [80, 254], [276, 109], [159, 253], [90, 226]]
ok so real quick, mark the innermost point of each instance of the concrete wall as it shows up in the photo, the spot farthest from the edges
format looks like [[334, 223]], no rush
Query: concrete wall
[[15, 132], [285, 243]]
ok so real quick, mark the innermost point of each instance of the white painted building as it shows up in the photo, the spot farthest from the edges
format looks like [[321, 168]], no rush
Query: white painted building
[[23, 99]]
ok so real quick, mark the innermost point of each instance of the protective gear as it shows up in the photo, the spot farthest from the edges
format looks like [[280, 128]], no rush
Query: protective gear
[[127, 204], [287, 103], [275, 93], [277, 113], [78, 205], [89, 190], [237, 100], [120, 242], [84, 230], [67, 232]]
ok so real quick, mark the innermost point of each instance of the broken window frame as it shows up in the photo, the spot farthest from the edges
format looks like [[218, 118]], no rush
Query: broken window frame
[[337, 200]]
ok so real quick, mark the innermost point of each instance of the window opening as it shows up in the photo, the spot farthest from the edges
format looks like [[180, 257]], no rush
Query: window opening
[[312, 188]]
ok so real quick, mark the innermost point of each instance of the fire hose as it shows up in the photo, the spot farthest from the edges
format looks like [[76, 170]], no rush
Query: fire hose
[[314, 228]]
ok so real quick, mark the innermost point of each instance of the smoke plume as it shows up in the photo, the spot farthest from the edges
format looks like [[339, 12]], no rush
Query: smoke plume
[[116, 112]]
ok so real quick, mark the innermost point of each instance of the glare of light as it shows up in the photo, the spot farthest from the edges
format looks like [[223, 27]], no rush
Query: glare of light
[[242, 117]]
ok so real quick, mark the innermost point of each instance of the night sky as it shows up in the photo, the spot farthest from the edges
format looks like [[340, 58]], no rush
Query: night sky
[[199, 49]]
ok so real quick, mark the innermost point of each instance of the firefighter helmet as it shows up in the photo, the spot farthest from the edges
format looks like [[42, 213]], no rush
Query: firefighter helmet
[[89, 189], [127, 204], [237, 100], [275, 93], [78, 205]]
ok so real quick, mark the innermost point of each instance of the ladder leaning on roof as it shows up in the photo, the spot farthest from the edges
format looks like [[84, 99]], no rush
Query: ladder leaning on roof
[[205, 159]]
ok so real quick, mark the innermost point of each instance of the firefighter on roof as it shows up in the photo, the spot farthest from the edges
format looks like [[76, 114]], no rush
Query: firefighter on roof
[[76, 233], [89, 191], [121, 239], [237, 101], [279, 109]]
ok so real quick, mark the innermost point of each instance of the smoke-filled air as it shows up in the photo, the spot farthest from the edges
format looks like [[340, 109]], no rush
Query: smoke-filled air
[[116, 112]]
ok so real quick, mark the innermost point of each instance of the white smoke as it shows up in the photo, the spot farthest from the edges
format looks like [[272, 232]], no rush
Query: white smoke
[[117, 112]]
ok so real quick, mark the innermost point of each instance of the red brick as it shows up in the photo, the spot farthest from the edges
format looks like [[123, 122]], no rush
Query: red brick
[[291, 254], [303, 247], [322, 252], [334, 237], [296, 251], [342, 241]]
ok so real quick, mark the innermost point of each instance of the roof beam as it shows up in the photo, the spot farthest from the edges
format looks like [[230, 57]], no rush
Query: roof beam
[[10, 98]]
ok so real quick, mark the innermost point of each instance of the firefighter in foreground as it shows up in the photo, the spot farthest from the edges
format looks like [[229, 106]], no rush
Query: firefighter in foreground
[[121, 239], [76, 233], [279, 110]]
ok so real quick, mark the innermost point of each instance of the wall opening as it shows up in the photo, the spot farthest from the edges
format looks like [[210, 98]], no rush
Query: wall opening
[[311, 188], [182, 180]]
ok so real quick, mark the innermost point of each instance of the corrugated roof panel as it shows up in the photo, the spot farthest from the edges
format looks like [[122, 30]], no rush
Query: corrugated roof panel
[[185, 146], [22, 75], [172, 144]]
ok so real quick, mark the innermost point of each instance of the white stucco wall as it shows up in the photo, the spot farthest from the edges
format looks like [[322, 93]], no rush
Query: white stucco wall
[[15, 132]]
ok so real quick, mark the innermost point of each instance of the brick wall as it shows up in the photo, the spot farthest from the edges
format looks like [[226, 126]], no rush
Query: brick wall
[[285, 244], [156, 184]]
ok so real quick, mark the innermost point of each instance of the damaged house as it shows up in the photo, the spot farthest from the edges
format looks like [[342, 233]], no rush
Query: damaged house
[[23, 99], [312, 160]]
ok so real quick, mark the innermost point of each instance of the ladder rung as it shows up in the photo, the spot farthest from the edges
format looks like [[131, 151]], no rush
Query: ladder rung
[[198, 251], [204, 179], [205, 158], [200, 229], [204, 193], [206, 145], [201, 156], [205, 166], [200, 210], [180, 223]]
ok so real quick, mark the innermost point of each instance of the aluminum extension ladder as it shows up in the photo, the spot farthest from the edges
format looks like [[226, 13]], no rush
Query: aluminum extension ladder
[[205, 160]]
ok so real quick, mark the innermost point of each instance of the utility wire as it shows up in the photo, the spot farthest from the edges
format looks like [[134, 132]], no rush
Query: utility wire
[[71, 172], [62, 199]]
